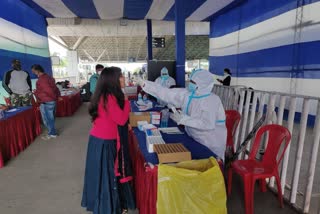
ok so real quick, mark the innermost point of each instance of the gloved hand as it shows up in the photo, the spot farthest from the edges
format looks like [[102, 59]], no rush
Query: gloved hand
[[177, 117]]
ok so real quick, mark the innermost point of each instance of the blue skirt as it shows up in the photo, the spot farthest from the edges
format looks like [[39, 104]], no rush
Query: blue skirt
[[101, 193]]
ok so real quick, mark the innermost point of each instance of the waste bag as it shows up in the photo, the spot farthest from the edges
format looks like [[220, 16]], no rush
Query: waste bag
[[195, 187]]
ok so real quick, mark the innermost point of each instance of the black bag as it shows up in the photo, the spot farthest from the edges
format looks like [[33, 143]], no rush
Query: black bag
[[85, 93]]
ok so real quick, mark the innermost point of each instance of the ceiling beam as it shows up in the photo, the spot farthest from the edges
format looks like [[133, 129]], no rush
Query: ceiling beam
[[59, 43], [89, 56], [101, 55], [141, 44], [129, 46], [79, 42], [117, 48]]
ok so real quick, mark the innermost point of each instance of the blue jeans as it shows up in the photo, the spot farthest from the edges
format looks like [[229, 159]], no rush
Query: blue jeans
[[48, 110]]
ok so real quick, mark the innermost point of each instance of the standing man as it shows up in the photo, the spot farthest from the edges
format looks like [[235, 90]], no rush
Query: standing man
[[47, 94], [94, 78], [227, 80], [18, 85]]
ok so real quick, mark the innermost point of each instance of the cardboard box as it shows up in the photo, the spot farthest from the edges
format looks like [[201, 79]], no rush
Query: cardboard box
[[138, 116], [172, 153]]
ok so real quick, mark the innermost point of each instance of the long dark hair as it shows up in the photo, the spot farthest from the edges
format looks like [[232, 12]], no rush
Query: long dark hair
[[108, 84]]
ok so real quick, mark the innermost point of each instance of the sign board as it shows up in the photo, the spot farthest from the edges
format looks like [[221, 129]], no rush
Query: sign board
[[158, 42]]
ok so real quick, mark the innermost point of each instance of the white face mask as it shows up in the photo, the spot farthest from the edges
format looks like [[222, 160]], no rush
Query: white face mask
[[99, 72]]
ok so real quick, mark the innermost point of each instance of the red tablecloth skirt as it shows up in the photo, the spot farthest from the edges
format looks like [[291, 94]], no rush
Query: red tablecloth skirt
[[68, 105], [18, 132], [145, 180]]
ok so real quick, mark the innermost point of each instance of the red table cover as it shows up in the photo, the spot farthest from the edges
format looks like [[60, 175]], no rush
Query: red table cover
[[18, 132], [145, 179], [68, 105]]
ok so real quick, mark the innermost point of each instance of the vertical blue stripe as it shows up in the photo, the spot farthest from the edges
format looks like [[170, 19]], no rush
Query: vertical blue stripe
[[180, 42], [21, 14], [189, 8], [136, 9], [38, 9], [149, 37], [82, 8]]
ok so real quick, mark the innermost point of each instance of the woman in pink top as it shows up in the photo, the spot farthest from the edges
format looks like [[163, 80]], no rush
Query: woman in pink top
[[107, 188]]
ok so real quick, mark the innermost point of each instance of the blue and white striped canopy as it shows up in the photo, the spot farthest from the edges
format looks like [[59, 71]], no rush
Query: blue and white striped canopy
[[195, 10]]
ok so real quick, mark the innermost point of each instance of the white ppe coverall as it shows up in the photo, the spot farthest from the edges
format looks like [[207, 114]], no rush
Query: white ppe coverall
[[204, 115]]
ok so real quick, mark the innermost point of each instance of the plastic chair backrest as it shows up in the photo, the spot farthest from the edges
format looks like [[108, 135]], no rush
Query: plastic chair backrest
[[232, 121], [277, 135]]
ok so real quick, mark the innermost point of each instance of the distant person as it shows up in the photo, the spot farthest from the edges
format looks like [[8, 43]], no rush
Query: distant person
[[227, 80], [47, 94], [59, 86], [165, 80], [94, 78], [18, 85], [108, 167]]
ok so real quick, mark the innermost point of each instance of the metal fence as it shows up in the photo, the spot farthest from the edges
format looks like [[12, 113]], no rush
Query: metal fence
[[300, 172]]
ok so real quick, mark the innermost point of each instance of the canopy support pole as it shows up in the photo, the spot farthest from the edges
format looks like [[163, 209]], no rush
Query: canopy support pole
[[180, 31], [149, 37]]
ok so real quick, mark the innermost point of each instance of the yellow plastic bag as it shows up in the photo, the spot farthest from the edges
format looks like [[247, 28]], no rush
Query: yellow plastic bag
[[195, 187]]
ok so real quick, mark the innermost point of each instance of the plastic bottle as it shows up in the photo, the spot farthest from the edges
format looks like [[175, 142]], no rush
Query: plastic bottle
[[139, 97], [145, 98]]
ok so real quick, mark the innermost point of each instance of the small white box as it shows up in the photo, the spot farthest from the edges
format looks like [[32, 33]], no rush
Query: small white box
[[153, 136]]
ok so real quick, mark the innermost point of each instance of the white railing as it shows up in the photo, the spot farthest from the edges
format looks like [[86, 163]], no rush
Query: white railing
[[299, 165]]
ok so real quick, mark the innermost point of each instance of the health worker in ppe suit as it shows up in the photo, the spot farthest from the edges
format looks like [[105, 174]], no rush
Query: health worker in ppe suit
[[203, 114], [165, 80]]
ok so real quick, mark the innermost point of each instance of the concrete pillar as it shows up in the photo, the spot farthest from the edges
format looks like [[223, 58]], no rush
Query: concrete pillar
[[72, 67]]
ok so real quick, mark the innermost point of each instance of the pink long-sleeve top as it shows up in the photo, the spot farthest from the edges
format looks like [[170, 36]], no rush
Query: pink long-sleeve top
[[106, 124]]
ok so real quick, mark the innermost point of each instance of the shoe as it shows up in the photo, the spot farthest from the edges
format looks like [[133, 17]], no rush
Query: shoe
[[48, 137]]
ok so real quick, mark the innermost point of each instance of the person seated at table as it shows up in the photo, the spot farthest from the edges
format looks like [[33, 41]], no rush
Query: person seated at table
[[18, 85], [165, 81], [203, 114], [59, 86], [107, 174], [47, 94], [94, 78]]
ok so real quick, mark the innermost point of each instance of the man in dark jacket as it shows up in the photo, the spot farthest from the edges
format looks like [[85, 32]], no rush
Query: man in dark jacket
[[47, 94], [18, 85]]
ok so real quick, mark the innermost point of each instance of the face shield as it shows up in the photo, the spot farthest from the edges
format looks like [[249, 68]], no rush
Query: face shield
[[204, 81], [164, 73]]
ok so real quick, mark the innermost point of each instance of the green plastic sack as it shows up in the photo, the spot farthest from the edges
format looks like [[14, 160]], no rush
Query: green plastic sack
[[193, 187]]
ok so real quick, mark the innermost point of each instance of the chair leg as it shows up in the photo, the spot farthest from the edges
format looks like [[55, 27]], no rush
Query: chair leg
[[229, 183], [280, 197], [248, 194], [263, 185]]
